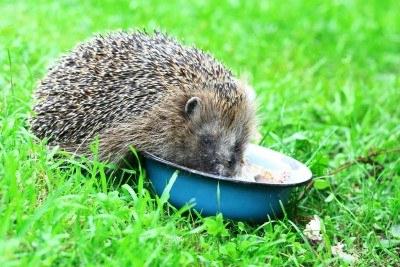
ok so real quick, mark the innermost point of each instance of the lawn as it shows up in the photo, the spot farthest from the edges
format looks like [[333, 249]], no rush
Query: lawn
[[327, 79]]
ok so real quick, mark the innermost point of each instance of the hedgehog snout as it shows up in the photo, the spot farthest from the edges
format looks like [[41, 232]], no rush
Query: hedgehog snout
[[220, 169], [216, 167]]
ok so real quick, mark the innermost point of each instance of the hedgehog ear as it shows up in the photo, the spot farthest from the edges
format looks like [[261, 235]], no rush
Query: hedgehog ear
[[192, 105]]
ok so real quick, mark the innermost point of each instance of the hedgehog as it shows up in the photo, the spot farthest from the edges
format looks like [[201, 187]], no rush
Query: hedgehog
[[149, 92]]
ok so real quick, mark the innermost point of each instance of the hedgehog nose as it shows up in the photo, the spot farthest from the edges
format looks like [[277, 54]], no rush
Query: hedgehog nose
[[219, 168]]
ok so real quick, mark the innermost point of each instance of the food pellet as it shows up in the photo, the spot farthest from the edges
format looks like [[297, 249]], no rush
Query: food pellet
[[255, 173]]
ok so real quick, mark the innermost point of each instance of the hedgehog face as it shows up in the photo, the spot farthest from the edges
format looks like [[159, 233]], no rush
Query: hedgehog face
[[218, 138], [220, 152]]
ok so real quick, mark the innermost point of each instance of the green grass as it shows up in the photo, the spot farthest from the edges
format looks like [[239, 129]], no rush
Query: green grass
[[327, 79]]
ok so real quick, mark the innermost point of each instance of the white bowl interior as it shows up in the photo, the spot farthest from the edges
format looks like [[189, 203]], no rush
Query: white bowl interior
[[276, 162]]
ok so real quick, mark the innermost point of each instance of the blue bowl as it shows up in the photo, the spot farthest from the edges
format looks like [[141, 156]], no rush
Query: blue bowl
[[235, 199]]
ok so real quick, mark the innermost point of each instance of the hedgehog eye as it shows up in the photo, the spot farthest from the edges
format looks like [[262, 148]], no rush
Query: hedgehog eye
[[237, 148], [206, 140], [231, 162]]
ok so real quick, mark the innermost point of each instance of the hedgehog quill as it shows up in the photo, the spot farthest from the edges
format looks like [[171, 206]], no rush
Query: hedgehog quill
[[150, 92]]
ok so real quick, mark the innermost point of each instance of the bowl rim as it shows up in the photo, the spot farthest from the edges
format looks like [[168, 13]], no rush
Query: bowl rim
[[151, 156]]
